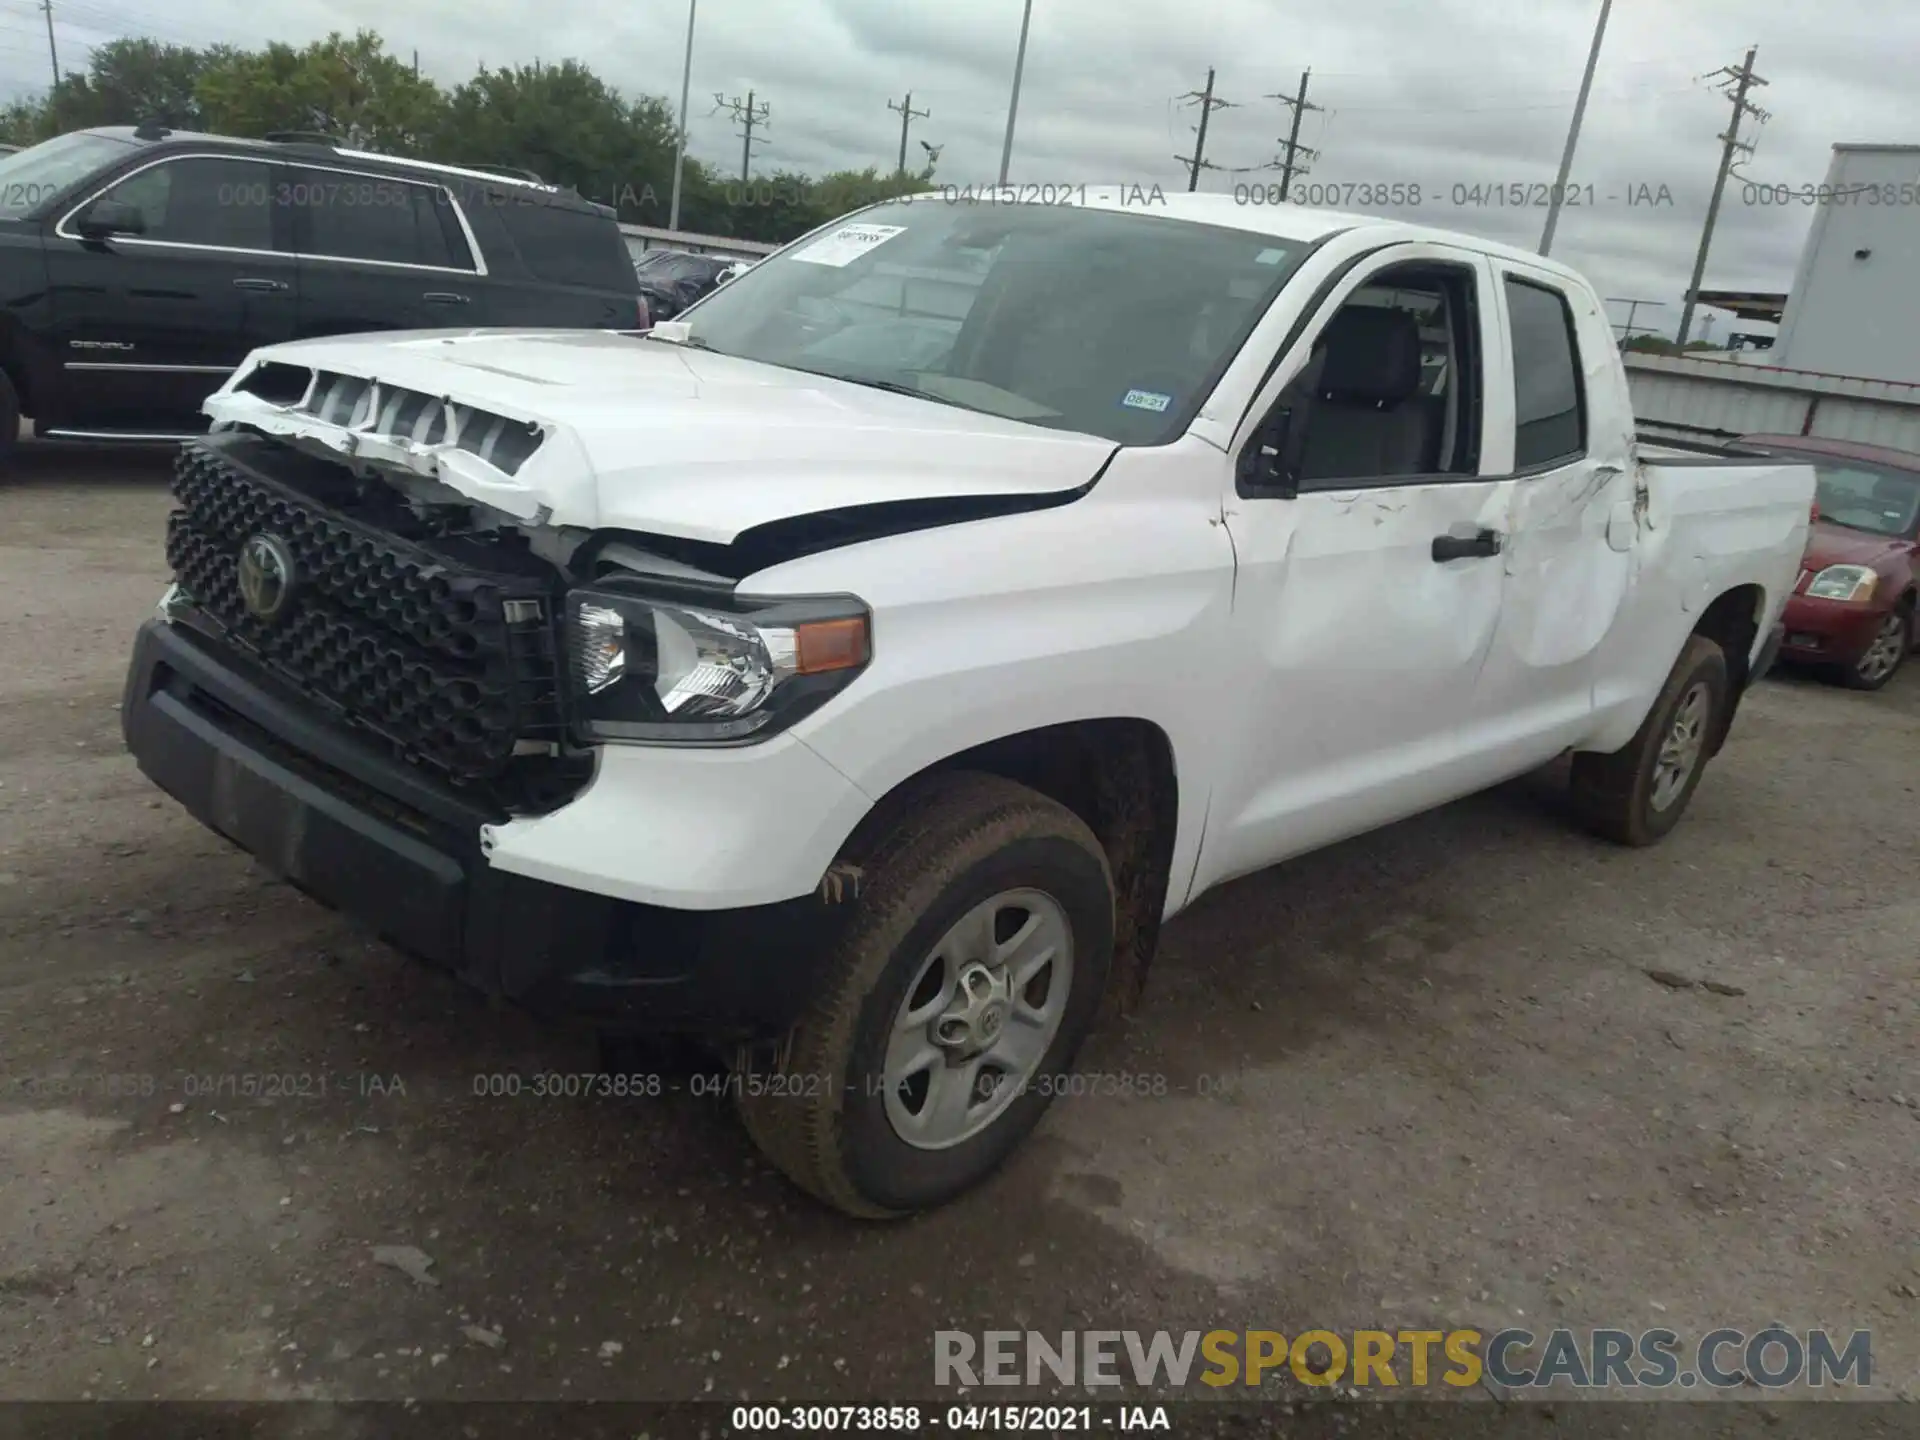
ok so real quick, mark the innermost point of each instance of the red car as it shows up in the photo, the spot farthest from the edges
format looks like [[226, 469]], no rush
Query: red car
[[1852, 611]]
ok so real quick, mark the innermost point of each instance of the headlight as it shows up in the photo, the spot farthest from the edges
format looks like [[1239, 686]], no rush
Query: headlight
[[706, 671], [1843, 582]]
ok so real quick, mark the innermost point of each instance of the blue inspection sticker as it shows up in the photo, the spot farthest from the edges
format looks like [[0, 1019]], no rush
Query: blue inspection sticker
[[1146, 400]]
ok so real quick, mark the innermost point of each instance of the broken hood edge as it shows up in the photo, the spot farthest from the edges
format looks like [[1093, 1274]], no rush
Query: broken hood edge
[[692, 459]]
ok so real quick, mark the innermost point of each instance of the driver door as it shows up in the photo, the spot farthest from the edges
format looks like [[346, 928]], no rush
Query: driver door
[[1369, 577], [147, 324]]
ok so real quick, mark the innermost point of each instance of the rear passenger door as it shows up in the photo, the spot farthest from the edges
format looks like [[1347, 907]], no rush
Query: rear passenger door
[[379, 253], [1570, 532]]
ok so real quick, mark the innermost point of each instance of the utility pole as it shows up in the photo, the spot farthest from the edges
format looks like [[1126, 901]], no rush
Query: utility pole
[[1013, 101], [1198, 160], [1573, 131], [1633, 308], [1291, 166], [749, 116], [52, 54], [1742, 80], [416, 64], [907, 116], [680, 140]]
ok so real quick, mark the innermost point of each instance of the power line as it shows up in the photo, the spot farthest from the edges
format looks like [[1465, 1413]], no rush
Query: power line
[[1290, 165], [1633, 308], [680, 134], [1741, 80], [1013, 98], [748, 116], [52, 54], [907, 116], [1573, 130], [1208, 103], [1683, 63], [1625, 97]]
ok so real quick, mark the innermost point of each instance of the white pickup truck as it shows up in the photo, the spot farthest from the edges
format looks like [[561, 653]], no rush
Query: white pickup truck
[[858, 672]]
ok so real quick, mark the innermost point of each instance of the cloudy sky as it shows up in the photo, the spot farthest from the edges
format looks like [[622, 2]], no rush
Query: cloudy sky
[[1435, 93]]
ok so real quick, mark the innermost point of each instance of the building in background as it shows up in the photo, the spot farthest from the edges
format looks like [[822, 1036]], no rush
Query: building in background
[[1855, 305]]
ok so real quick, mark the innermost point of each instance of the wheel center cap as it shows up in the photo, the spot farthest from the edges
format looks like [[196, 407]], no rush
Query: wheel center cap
[[978, 1014]]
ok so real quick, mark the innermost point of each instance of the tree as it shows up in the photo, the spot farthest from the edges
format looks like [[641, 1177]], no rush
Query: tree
[[25, 122], [561, 121], [134, 80], [571, 128], [349, 88]]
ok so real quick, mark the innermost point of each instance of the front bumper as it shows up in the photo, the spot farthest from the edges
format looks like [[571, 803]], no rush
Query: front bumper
[[1833, 632], [381, 842]]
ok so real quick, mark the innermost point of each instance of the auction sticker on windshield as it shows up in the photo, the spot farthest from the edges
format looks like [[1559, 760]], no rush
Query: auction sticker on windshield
[[847, 244]]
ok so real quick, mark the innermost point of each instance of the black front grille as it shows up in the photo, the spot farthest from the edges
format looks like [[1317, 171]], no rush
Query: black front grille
[[452, 661]]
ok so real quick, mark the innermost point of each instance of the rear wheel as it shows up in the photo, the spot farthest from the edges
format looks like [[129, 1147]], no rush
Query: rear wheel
[[1886, 654], [1636, 795], [950, 1010]]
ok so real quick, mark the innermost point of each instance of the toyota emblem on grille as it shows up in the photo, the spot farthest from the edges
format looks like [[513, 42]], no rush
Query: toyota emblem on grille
[[266, 575]]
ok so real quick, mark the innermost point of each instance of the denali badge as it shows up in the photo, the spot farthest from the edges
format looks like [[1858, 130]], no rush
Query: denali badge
[[266, 575]]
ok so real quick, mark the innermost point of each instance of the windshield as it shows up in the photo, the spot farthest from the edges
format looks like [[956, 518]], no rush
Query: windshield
[[1109, 323], [40, 172], [1880, 501]]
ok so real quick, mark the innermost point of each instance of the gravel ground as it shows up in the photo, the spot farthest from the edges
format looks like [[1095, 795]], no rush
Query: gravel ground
[[1421, 1080]]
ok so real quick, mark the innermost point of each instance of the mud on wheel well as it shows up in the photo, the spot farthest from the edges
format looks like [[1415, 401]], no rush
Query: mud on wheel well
[[1117, 776], [1733, 623]]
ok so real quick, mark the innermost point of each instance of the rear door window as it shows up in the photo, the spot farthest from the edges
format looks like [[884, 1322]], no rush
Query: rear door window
[[344, 216], [1550, 420]]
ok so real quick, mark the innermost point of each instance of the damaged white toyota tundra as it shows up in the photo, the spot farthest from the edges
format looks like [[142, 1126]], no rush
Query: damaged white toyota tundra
[[855, 674]]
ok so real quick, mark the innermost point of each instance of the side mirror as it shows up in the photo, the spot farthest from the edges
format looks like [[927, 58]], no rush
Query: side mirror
[[1271, 462], [1263, 464], [106, 218]]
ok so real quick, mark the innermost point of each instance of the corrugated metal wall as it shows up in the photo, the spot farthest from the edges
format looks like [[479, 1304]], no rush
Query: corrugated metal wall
[[1723, 399]]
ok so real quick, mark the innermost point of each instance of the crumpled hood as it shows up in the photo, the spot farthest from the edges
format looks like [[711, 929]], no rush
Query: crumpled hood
[[1837, 545], [639, 434]]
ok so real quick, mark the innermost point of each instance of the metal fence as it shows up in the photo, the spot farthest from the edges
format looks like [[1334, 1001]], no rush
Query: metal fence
[[642, 238], [1721, 399]]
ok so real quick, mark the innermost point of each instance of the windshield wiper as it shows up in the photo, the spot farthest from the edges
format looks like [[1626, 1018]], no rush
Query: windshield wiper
[[689, 342], [895, 387]]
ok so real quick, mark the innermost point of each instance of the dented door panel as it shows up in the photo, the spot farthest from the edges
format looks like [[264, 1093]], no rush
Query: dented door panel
[[1361, 652]]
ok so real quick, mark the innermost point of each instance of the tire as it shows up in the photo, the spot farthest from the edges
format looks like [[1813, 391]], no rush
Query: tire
[[824, 1115], [1628, 796], [9, 419], [1883, 658]]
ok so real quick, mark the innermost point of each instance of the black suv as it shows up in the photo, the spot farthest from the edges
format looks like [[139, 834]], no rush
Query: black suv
[[671, 280], [138, 267]]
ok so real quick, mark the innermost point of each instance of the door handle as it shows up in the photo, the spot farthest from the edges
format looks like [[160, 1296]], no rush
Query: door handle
[[1466, 547], [255, 282], [443, 297]]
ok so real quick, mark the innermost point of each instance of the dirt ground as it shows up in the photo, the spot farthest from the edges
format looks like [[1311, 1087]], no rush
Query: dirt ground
[[1423, 1079]]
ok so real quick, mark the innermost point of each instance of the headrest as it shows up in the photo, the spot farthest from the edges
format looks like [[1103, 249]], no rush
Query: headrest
[[1373, 356]]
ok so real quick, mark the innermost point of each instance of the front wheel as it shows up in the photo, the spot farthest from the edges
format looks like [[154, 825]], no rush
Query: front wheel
[[1636, 795], [950, 1010], [1883, 658]]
